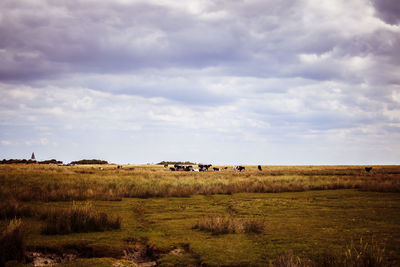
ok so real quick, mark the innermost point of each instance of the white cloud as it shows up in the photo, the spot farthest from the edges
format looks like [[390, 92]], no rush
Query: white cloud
[[6, 142], [40, 141]]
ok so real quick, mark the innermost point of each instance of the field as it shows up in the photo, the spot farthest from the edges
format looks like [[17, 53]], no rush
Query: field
[[92, 215]]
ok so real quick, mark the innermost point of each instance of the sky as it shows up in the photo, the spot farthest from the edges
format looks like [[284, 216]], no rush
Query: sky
[[223, 82]]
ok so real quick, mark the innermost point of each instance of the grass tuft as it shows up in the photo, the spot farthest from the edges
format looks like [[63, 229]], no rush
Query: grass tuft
[[12, 242], [77, 219], [216, 225], [228, 225], [288, 260], [255, 226], [364, 254], [13, 209]]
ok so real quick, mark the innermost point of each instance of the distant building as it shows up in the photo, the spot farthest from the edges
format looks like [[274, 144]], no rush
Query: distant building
[[33, 156]]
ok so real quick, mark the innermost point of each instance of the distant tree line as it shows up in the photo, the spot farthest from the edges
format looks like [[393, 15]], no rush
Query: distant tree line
[[89, 161], [29, 161], [176, 162], [51, 161], [14, 161]]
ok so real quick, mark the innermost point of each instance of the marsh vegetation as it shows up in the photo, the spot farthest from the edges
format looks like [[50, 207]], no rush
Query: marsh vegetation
[[282, 215]]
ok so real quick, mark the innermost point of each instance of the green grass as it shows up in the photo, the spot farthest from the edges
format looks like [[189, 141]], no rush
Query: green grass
[[309, 225]]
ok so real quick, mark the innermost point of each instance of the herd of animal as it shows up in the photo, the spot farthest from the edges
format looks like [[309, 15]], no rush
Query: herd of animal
[[203, 168], [206, 167]]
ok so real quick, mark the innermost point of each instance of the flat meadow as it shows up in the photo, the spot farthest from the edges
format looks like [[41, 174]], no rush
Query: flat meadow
[[146, 215]]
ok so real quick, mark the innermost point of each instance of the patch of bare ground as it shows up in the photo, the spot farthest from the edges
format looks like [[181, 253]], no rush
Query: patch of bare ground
[[140, 252], [48, 259], [148, 255], [145, 256], [46, 256], [139, 255]]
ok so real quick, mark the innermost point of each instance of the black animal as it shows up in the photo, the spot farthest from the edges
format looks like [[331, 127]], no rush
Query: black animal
[[189, 168], [368, 169], [259, 168], [204, 167], [119, 167], [239, 168], [179, 167], [216, 169]]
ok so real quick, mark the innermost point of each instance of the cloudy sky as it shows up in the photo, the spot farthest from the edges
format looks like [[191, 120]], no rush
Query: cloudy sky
[[212, 81]]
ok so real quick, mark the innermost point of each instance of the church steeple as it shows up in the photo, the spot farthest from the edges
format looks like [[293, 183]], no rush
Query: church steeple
[[33, 156]]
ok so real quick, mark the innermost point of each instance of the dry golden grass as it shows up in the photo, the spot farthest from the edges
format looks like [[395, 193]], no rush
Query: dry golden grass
[[216, 225], [77, 219], [55, 183]]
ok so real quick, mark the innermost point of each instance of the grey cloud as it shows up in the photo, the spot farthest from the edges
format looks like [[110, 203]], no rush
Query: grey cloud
[[110, 38], [241, 72], [257, 39], [387, 10], [80, 37]]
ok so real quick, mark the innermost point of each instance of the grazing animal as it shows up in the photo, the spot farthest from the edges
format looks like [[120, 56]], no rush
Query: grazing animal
[[165, 166], [189, 168], [100, 168], [179, 167], [204, 167], [216, 169], [368, 169], [239, 168], [259, 168], [119, 167]]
